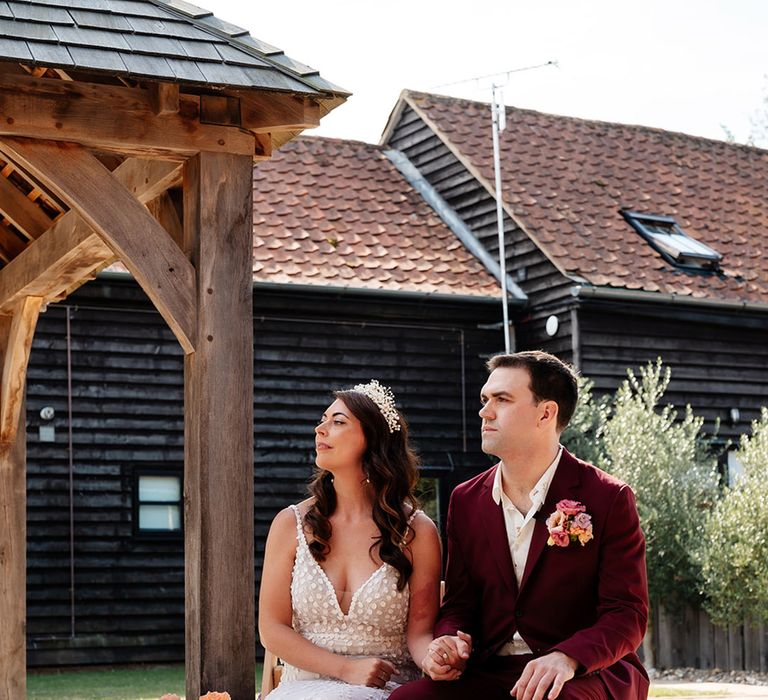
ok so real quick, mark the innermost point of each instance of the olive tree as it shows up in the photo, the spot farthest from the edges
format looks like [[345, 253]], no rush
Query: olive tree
[[584, 434], [666, 461], [734, 539]]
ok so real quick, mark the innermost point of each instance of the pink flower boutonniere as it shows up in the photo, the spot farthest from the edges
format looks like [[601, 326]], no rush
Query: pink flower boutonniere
[[569, 523]]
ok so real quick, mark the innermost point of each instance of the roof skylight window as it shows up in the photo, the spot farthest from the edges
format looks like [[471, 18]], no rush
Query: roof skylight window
[[674, 244]]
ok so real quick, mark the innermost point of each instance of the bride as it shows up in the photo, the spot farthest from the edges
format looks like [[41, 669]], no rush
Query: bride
[[350, 582]]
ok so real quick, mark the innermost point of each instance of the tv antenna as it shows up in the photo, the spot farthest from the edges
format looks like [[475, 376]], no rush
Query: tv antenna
[[499, 123]]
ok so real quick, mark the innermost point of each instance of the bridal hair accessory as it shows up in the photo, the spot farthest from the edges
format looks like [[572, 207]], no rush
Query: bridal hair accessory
[[384, 399], [569, 523]]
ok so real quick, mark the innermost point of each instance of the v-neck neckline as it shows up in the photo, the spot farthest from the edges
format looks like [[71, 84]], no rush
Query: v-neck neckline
[[324, 576], [332, 589]]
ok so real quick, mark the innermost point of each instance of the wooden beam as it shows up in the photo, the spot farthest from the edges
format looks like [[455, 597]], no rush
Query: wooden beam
[[124, 224], [24, 214], [13, 552], [164, 98], [10, 244], [112, 118], [163, 209], [148, 179], [269, 112], [218, 401], [15, 366], [219, 109], [71, 252]]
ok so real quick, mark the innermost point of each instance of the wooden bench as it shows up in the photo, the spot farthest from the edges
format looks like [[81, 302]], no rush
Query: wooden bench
[[271, 674]]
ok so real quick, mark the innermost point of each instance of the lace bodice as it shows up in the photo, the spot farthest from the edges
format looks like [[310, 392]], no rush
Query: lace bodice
[[374, 626]]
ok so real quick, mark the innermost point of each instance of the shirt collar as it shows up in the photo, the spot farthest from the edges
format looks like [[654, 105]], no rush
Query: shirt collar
[[538, 492]]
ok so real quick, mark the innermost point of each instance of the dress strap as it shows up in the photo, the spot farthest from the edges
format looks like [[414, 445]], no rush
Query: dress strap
[[411, 518], [413, 515], [299, 525]]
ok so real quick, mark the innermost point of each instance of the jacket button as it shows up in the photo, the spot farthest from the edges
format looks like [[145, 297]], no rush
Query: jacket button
[[518, 613]]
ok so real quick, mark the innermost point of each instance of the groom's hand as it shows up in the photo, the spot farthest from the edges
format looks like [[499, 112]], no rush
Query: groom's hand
[[447, 656], [550, 671]]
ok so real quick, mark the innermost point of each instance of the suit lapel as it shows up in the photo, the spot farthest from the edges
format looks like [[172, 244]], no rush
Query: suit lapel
[[565, 480], [496, 534]]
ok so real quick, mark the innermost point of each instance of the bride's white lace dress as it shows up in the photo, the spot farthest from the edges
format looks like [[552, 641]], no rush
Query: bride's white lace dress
[[375, 626]]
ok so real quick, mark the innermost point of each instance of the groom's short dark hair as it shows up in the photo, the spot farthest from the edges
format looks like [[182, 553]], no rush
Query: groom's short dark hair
[[551, 380]]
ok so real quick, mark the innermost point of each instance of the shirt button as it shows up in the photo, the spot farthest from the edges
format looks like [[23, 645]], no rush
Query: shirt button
[[518, 613]]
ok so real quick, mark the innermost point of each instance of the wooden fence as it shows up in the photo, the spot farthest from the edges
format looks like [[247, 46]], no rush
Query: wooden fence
[[690, 639]]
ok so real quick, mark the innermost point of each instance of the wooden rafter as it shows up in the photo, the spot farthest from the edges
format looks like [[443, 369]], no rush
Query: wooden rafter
[[22, 212], [10, 244], [110, 208], [35, 193], [113, 118], [71, 252]]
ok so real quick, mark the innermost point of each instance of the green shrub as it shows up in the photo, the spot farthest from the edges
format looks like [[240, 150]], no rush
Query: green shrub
[[584, 434], [666, 463], [734, 548]]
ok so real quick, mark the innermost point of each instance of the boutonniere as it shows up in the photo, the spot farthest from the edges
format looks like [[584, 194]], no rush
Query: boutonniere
[[569, 523]]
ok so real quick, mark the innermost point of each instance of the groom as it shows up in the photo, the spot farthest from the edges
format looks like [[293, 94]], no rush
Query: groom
[[546, 591]]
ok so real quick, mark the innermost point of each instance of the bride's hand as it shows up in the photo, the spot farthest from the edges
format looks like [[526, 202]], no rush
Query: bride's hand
[[375, 673], [447, 657]]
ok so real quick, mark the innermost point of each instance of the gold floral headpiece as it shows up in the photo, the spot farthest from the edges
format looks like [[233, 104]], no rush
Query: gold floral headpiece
[[384, 399]]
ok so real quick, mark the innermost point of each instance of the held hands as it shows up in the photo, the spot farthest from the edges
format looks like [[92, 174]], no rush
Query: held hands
[[538, 675], [373, 672], [446, 657]]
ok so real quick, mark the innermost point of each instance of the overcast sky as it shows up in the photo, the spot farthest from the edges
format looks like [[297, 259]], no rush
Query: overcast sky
[[674, 64]]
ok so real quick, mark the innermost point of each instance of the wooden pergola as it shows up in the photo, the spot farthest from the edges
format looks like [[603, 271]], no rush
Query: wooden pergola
[[130, 135]]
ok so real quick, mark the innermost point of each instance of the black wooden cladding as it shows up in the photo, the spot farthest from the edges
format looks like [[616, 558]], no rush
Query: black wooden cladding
[[127, 416], [718, 360]]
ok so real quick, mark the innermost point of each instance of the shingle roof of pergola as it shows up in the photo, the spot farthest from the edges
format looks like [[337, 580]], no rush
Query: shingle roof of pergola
[[149, 39]]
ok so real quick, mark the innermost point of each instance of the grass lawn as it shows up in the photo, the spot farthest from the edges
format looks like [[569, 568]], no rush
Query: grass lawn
[[143, 683], [150, 682]]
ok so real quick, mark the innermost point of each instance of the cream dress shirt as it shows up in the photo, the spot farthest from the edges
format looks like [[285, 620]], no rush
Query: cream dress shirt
[[519, 533]]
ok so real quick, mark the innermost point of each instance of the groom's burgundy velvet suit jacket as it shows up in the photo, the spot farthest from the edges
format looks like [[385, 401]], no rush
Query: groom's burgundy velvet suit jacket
[[590, 602]]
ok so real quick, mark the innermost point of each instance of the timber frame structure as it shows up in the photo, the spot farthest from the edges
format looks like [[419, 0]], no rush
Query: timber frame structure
[[128, 132]]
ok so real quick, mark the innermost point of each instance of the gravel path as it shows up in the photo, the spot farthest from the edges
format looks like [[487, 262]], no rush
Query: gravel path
[[696, 675]]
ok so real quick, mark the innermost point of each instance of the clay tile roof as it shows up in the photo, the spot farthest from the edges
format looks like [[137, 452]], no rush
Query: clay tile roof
[[330, 212], [169, 40], [566, 179]]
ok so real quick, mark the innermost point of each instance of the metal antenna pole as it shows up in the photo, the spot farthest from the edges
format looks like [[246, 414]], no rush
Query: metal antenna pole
[[499, 118]]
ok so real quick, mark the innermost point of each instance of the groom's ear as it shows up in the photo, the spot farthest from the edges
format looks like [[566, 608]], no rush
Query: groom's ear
[[548, 411]]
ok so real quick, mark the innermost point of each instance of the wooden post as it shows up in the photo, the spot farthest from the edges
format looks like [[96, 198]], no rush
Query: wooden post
[[218, 424], [13, 551]]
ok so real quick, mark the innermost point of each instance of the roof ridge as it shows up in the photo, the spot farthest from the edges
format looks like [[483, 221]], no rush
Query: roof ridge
[[586, 120], [338, 139], [195, 14]]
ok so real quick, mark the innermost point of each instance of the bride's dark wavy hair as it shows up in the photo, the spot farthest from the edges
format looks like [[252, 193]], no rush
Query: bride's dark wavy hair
[[391, 466]]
